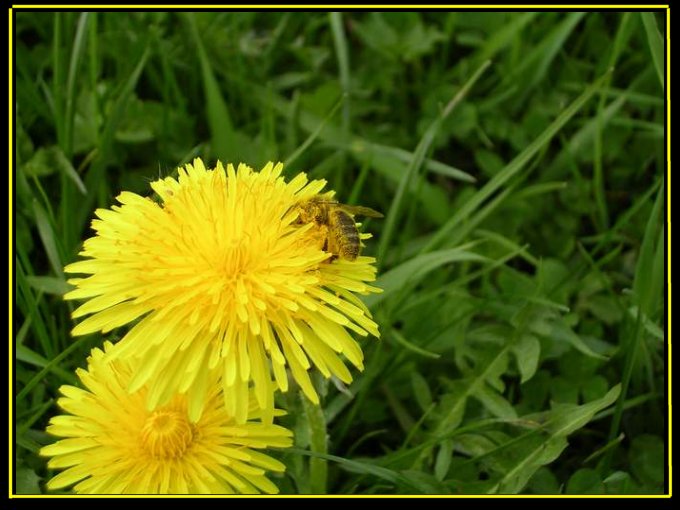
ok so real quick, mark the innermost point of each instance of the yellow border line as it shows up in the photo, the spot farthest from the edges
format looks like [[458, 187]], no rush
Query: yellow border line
[[10, 230], [351, 496], [668, 246], [354, 6]]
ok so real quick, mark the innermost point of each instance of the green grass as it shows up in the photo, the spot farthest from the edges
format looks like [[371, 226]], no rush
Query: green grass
[[519, 159]]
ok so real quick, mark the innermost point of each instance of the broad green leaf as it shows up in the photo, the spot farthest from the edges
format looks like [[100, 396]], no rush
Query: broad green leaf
[[585, 481], [494, 402], [559, 331], [543, 482], [443, 460], [647, 459], [451, 407], [450, 410], [421, 391], [49, 284], [27, 481], [620, 482], [563, 390], [605, 308], [564, 420], [45, 161], [527, 352], [538, 450], [593, 388]]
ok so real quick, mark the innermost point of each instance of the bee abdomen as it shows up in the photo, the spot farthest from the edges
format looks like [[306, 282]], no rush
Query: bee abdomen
[[349, 244], [346, 224], [350, 251]]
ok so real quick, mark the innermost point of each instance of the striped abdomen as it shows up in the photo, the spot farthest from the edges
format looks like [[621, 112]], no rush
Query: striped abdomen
[[345, 233]]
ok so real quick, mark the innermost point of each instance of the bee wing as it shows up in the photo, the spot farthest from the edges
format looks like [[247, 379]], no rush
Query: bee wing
[[359, 210]]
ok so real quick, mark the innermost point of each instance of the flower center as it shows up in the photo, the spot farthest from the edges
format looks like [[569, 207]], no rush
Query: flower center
[[166, 434]]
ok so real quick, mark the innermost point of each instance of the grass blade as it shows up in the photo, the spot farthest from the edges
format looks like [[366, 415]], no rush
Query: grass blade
[[48, 239], [355, 466], [418, 157], [656, 44], [399, 338], [314, 135], [342, 51], [52, 366], [645, 292], [416, 269], [622, 36], [76, 55], [224, 142], [95, 178], [514, 167]]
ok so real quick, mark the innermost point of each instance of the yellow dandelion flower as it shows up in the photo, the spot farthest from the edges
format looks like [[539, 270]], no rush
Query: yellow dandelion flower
[[226, 277], [114, 445]]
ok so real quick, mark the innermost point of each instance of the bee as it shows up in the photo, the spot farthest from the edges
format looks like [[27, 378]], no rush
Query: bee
[[336, 220]]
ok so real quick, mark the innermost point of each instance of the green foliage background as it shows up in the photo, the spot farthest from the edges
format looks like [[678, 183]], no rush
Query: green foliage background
[[522, 253]]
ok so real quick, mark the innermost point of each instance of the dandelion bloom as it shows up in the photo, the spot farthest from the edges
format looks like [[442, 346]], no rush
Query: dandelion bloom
[[114, 445], [227, 279]]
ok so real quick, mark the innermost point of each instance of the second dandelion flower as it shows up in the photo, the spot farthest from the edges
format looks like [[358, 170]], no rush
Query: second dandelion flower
[[112, 444]]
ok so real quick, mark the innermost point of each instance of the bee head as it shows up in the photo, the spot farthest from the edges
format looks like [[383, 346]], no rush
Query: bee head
[[312, 212]]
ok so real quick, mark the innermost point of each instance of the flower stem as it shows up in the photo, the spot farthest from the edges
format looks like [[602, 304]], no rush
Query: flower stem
[[318, 443]]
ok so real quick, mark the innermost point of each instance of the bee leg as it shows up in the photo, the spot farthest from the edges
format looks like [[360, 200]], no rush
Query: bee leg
[[328, 248]]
